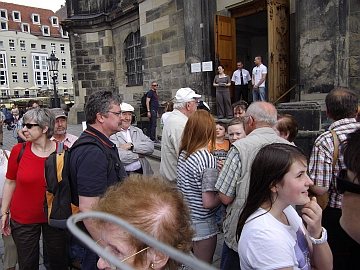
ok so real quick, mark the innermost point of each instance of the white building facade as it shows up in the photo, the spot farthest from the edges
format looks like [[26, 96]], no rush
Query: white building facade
[[27, 38]]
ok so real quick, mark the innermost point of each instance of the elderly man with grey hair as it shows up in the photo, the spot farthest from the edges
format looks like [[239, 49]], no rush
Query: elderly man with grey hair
[[184, 105], [234, 178]]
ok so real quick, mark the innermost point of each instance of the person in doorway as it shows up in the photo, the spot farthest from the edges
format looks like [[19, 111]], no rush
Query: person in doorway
[[259, 73], [152, 106], [241, 78], [223, 102]]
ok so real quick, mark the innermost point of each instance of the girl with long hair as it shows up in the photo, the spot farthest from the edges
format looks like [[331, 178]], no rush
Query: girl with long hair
[[196, 177], [272, 235]]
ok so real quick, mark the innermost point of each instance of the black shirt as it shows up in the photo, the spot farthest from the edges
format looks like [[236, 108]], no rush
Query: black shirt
[[94, 164], [154, 100]]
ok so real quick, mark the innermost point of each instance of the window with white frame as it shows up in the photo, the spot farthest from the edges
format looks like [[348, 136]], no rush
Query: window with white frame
[[14, 77], [62, 48], [16, 93], [12, 45], [23, 61], [1, 44], [35, 18], [43, 46], [133, 59], [40, 69], [33, 46], [64, 78], [22, 45], [3, 14], [3, 92], [3, 25], [53, 47], [25, 27], [13, 60], [45, 30], [3, 69], [26, 77], [54, 21], [16, 16], [63, 63], [64, 33]]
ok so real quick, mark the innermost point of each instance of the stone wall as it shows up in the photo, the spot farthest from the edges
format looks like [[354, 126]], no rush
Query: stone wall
[[323, 44], [354, 45]]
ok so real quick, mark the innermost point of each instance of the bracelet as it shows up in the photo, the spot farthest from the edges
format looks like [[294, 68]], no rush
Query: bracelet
[[321, 240], [5, 214]]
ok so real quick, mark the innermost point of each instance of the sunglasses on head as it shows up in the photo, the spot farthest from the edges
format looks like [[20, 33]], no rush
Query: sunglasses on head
[[343, 183], [29, 126]]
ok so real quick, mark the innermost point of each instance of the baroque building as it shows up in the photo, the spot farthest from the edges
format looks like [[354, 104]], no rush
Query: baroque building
[[124, 45], [28, 36]]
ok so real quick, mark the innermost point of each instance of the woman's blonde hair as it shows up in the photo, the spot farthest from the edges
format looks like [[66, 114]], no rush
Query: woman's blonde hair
[[154, 206], [200, 129]]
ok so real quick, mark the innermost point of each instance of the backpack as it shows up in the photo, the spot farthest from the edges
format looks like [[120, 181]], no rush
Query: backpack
[[143, 108], [60, 200]]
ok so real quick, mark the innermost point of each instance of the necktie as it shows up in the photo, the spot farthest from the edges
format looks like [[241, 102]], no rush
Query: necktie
[[241, 77]]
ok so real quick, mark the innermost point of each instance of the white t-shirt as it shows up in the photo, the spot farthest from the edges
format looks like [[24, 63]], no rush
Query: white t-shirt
[[266, 243], [3, 169], [257, 72]]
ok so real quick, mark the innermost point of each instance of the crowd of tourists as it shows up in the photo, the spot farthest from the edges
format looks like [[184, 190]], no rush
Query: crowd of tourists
[[244, 177]]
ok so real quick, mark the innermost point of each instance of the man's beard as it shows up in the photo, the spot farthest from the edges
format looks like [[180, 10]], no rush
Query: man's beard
[[60, 132]]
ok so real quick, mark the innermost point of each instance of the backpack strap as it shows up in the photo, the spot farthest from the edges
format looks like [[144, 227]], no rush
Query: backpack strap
[[336, 149], [21, 152]]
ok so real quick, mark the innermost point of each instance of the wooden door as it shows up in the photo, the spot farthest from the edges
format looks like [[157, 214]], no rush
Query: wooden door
[[225, 43], [278, 42]]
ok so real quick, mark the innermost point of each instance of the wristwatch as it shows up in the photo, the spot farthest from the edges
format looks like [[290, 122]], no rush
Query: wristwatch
[[131, 146], [321, 240]]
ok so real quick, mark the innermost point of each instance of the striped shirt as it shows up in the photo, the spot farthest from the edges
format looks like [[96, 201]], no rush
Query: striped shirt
[[190, 175], [321, 159]]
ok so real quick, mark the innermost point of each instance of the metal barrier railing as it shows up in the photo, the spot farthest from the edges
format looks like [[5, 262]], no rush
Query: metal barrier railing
[[150, 241]]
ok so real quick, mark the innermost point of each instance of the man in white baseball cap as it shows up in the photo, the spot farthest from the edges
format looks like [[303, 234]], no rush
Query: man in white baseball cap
[[132, 144], [185, 103]]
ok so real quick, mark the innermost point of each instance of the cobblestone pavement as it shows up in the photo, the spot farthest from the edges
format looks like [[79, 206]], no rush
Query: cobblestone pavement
[[9, 141]]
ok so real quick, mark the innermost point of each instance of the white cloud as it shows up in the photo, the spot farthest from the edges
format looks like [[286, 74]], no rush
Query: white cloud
[[53, 5]]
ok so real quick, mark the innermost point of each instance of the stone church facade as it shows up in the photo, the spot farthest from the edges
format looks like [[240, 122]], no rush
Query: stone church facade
[[124, 45]]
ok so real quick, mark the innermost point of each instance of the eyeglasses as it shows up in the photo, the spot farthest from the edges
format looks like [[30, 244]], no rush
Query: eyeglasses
[[343, 183], [116, 113], [29, 126], [155, 85]]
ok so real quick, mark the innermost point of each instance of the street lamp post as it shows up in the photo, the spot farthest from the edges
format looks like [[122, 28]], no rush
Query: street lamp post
[[53, 63]]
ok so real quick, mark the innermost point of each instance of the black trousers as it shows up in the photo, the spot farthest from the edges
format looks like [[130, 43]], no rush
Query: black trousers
[[26, 238], [241, 92], [346, 251], [152, 125]]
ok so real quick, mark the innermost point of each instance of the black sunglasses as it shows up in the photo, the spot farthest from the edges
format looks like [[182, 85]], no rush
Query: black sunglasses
[[343, 183], [29, 126]]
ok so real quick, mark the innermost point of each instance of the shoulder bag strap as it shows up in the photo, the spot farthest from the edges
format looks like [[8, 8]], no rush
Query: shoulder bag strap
[[5, 154], [336, 149]]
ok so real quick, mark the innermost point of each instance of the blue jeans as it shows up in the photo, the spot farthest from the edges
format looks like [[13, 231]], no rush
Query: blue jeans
[[152, 125], [259, 94], [229, 259]]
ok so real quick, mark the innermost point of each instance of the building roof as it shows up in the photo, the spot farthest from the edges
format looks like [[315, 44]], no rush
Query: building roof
[[26, 17]]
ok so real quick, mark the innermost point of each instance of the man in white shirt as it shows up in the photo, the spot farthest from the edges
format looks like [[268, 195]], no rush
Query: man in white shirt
[[241, 78], [60, 130], [185, 104], [258, 80]]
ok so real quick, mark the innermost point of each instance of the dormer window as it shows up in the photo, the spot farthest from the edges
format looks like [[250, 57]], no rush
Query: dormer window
[[35, 18], [16, 16], [54, 21], [3, 14], [45, 30], [64, 33], [25, 27]]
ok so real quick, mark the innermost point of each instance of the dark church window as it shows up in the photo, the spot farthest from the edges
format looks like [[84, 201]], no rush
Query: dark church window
[[133, 59]]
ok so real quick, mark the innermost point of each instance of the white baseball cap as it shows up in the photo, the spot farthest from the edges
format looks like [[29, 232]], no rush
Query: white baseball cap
[[126, 107], [185, 95]]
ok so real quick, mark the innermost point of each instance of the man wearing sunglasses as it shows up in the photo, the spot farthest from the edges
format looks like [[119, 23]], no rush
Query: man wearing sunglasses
[[325, 163], [348, 184], [152, 106]]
